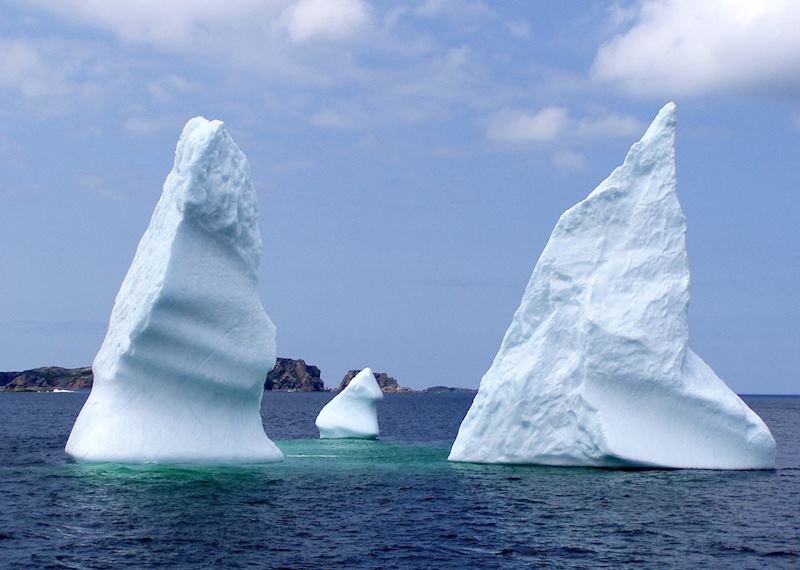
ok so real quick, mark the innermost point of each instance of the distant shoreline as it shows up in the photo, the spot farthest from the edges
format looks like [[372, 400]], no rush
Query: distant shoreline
[[296, 377], [288, 376], [433, 390]]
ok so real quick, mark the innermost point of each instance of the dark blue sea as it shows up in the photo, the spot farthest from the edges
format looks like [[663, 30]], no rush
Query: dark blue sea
[[393, 503]]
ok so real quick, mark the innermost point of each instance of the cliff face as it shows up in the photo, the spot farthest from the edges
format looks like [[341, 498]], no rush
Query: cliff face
[[291, 375], [386, 382], [47, 378]]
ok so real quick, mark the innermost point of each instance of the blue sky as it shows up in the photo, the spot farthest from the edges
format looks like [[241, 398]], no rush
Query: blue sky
[[411, 160]]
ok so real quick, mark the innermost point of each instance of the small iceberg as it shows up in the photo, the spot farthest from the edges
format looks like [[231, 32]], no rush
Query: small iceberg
[[353, 413]]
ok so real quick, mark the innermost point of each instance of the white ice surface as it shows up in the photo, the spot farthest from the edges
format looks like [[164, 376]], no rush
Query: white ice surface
[[180, 374], [353, 413], [595, 369]]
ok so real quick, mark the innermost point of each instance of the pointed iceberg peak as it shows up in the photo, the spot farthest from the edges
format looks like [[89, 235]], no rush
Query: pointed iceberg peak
[[199, 138], [353, 413], [210, 184], [656, 148], [595, 368], [365, 382], [667, 117], [662, 127], [199, 124]]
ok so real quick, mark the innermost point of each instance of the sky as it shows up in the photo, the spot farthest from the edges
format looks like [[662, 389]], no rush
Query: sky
[[410, 159]]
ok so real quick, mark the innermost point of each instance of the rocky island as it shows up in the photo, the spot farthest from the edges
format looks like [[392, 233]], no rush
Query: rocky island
[[386, 382], [290, 375]]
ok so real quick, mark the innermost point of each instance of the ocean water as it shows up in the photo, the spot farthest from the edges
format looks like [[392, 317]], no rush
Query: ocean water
[[393, 503]]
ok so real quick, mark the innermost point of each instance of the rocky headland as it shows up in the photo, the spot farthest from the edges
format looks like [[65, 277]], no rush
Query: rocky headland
[[47, 379]]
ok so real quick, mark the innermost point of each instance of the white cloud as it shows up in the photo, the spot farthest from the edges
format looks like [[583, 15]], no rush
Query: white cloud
[[166, 88], [325, 19], [685, 47], [621, 16], [97, 185], [91, 181], [519, 29], [189, 25], [509, 126], [387, 67], [568, 161], [24, 69], [332, 120], [552, 123], [48, 75], [177, 23], [142, 126], [459, 10], [611, 125], [280, 44]]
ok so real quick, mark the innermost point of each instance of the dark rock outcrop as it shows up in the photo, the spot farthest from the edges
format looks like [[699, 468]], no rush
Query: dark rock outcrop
[[46, 379], [291, 375], [386, 382], [444, 389]]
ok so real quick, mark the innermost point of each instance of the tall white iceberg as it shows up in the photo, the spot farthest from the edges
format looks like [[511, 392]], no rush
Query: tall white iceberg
[[180, 374], [353, 413], [595, 369]]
